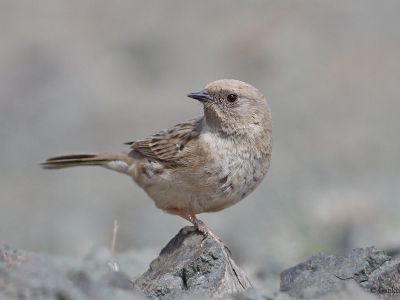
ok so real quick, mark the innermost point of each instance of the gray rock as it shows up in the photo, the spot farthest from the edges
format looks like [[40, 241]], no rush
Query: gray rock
[[255, 294], [191, 265], [324, 275], [26, 275], [194, 264]]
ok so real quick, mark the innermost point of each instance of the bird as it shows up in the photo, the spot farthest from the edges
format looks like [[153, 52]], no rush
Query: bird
[[206, 164]]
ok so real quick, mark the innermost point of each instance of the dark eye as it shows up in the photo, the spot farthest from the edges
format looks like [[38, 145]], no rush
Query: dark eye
[[232, 97]]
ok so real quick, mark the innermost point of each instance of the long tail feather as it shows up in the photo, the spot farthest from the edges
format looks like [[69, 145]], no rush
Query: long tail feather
[[74, 160], [115, 161]]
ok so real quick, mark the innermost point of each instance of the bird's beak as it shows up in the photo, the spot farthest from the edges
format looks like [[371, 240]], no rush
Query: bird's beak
[[202, 96]]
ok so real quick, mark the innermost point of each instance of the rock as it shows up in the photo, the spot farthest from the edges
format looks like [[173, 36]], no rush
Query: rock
[[27, 275], [192, 264], [255, 294], [321, 275]]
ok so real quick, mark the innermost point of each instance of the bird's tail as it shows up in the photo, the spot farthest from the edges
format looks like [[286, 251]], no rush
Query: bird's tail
[[115, 161]]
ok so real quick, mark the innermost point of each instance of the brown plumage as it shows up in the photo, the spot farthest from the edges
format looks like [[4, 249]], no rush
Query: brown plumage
[[167, 145], [202, 165]]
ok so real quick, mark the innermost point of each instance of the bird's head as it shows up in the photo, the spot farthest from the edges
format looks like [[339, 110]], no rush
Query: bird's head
[[233, 106]]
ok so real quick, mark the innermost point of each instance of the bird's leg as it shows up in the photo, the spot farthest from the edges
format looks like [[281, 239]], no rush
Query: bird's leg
[[200, 225]]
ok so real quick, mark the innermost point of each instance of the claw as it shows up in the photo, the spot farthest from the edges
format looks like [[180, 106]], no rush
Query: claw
[[198, 224]]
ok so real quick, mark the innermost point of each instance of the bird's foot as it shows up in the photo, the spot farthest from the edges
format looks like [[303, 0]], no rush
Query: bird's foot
[[198, 224], [204, 229]]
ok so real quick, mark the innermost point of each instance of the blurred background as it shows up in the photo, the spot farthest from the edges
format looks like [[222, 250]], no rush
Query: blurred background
[[88, 75]]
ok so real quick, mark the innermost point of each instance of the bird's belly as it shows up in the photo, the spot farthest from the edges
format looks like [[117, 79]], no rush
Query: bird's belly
[[216, 187]]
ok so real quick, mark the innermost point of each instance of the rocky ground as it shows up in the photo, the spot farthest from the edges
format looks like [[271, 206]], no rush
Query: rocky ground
[[196, 266]]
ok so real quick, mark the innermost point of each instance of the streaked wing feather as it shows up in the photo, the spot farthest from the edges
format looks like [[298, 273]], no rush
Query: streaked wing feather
[[166, 145]]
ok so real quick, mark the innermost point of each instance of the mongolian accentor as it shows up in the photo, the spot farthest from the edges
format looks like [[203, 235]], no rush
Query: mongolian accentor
[[202, 165]]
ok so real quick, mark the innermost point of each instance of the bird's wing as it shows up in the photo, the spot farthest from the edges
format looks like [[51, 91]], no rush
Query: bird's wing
[[167, 145]]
